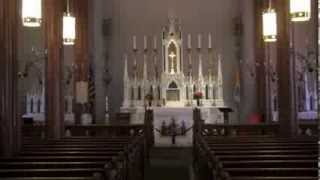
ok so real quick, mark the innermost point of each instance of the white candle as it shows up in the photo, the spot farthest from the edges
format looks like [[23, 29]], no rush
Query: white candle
[[134, 40], [145, 42], [199, 41], [189, 41], [209, 41], [154, 42]]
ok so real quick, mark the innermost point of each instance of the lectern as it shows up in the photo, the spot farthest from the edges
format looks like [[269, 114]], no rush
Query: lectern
[[225, 111]]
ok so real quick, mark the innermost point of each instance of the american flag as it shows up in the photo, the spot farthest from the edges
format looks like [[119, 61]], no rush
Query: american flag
[[91, 92]]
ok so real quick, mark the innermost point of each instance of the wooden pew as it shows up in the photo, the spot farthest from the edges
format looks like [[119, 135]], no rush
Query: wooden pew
[[50, 178], [274, 178], [51, 172], [256, 158], [279, 172], [291, 163], [76, 158]]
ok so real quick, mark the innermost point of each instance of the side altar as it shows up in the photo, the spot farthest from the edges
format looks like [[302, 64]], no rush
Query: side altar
[[174, 87]]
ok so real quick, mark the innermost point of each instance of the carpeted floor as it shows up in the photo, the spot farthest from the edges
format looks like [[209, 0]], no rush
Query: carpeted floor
[[170, 164]]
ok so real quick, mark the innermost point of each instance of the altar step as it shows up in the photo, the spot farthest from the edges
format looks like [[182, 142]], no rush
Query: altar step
[[170, 163]]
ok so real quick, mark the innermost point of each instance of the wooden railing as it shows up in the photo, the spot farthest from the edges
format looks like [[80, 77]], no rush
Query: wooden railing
[[129, 164], [254, 130], [309, 129], [88, 130], [240, 130], [304, 129]]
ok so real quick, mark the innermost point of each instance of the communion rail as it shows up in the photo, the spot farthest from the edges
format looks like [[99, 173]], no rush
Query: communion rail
[[85, 130]]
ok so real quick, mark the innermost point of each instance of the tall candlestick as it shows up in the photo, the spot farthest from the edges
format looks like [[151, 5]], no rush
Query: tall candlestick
[[209, 41], [134, 40], [145, 43], [189, 41], [199, 41], [155, 42]]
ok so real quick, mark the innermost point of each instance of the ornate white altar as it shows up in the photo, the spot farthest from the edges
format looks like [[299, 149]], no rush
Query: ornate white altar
[[172, 88]]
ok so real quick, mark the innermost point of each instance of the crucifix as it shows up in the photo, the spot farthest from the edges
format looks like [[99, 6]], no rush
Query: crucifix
[[172, 56]]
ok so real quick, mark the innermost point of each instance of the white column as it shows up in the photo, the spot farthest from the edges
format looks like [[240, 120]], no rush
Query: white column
[[200, 76], [210, 94], [145, 70], [125, 83], [220, 101]]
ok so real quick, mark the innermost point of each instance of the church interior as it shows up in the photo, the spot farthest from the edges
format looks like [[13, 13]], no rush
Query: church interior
[[159, 89]]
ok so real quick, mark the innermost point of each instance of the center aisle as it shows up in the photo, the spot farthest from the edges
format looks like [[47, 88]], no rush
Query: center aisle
[[170, 164]]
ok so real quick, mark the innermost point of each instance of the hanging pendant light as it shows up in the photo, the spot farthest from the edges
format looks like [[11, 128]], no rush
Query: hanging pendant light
[[69, 28], [319, 9], [300, 10], [269, 19], [31, 13]]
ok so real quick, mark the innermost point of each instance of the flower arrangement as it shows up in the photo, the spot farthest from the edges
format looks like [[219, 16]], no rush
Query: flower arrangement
[[198, 95]]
